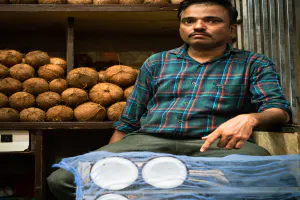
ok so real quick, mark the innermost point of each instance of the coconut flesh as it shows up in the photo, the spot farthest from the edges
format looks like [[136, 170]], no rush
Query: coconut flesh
[[114, 111], [3, 100], [106, 94], [9, 58], [74, 96], [21, 72], [10, 85], [4, 71], [37, 59], [32, 115], [82, 77], [35, 86], [58, 85], [90, 111], [50, 72], [58, 61], [9, 115], [21, 100], [121, 75], [47, 100], [60, 113]]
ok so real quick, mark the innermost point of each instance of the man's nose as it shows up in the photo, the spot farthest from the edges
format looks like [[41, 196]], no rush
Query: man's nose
[[200, 25]]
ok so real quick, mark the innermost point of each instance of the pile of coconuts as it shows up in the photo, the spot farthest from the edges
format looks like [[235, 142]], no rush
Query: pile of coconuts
[[35, 87]]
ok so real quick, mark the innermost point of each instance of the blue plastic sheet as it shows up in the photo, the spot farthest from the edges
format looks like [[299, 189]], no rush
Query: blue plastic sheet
[[230, 177]]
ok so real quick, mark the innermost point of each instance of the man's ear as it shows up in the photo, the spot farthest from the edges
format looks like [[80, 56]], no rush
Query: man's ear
[[233, 30]]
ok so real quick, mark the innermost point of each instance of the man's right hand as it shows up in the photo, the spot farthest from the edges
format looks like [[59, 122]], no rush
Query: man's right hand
[[117, 136]]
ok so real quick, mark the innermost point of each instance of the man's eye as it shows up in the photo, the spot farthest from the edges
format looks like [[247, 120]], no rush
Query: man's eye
[[187, 21], [213, 21]]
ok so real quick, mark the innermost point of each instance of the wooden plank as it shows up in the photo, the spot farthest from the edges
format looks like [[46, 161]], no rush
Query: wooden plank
[[70, 44], [87, 8], [40, 178], [55, 125]]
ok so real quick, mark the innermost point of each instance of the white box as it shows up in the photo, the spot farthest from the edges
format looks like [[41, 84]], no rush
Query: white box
[[14, 140]]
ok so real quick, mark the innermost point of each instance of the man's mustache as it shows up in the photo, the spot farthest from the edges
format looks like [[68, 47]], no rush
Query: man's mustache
[[197, 33]]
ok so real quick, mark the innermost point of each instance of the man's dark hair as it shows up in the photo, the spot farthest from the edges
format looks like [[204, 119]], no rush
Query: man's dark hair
[[233, 14]]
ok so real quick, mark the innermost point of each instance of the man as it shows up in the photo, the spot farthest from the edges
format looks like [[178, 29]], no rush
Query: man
[[201, 99]]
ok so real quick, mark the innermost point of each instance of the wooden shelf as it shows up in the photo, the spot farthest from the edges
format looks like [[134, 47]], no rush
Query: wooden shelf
[[160, 19], [55, 125]]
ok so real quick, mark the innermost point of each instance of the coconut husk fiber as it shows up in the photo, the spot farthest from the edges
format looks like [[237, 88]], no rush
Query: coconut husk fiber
[[52, 1], [47, 100], [156, 1], [22, 1], [9, 58], [9, 115], [90, 111], [35, 86], [58, 85], [21, 72], [121, 75], [32, 115], [106, 94], [3, 100], [74, 96], [131, 1], [21, 100], [4, 71], [60, 113], [50, 72], [114, 111], [10, 85], [82, 77], [37, 59], [100, 2], [58, 61]]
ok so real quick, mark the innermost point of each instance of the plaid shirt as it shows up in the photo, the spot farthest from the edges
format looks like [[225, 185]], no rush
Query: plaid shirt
[[174, 94]]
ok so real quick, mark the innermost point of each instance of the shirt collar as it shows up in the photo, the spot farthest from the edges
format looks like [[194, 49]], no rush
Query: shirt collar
[[181, 52]]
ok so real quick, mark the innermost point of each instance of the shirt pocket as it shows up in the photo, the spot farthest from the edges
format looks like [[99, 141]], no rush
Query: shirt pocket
[[229, 98]]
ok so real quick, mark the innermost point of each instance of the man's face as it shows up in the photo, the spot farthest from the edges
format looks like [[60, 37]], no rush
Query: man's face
[[206, 26]]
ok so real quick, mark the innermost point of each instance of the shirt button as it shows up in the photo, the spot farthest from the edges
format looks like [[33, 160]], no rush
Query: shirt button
[[194, 83], [186, 103], [180, 121]]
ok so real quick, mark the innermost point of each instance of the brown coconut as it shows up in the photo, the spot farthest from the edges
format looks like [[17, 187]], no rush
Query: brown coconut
[[60, 113], [9, 58], [4, 71], [131, 1], [176, 1], [79, 1], [9, 115], [74, 96], [127, 91], [50, 72], [58, 85], [47, 100], [3, 100], [90, 111], [35, 86], [100, 2], [82, 77], [21, 100], [21, 72], [32, 115], [52, 1], [121, 75], [37, 59], [58, 61], [106, 94], [156, 1], [114, 111], [102, 76], [10, 85]]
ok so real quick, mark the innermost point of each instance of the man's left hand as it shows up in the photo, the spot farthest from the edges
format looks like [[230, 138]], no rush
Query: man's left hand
[[232, 133]]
